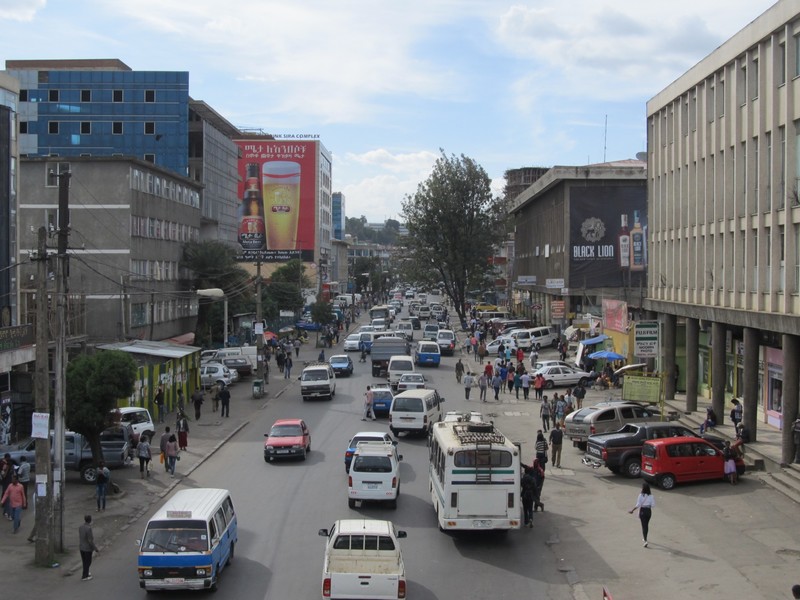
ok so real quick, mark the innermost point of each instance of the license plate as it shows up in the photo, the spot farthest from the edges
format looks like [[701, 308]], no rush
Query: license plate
[[281, 452], [406, 418], [594, 451], [373, 486], [482, 523], [174, 580]]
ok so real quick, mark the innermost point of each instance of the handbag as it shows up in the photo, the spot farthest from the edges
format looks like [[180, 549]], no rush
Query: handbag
[[161, 458]]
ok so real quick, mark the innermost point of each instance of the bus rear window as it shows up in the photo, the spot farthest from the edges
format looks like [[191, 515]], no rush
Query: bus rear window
[[482, 458]]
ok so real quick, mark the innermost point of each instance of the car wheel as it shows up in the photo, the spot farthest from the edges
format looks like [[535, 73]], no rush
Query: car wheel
[[393, 504], [554, 344], [549, 384], [667, 481], [633, 467], [582, 381], [88, 473], [581, 446], [351, 503], [303, 456], [220, 383], [266, 459]]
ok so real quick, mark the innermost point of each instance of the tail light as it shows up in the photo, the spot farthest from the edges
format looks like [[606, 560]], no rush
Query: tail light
[[604, 454], [510, 500], [425, 420], [592, 430], [326, 587], [349, 481], [401, 588], [394, 482]]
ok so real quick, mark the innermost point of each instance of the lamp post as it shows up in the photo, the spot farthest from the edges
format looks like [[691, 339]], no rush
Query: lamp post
[[218, 293]]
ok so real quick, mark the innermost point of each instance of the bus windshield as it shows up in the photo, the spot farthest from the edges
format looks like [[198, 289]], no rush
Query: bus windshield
[[379, 312], [176, 536]]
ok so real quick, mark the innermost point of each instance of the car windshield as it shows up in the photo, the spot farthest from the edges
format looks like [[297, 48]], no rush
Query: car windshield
[[413, 378], [381, 395], [339, 360], [286, 431], [315, 375], [353, 337], [175, 536], [135, 417]]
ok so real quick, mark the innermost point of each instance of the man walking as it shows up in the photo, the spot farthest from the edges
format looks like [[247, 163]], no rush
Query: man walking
[[87, 546], [525, 382], [159, 403], [225, 399], [287, 366], [459, 370], [468, 381], [544, 413], [162, 444], [15, 496], [369, 397], [197, 400], [556, 439], [483, 385]]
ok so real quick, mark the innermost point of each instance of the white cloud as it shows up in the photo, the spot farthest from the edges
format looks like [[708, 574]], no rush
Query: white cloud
[[20, 10]]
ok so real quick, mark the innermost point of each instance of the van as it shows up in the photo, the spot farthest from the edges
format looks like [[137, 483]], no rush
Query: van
[[346, 299], [379, 324], [365, 340], [424, 312], [188, 541], [423, 298], [406, 328], [542, 337], [399, 364], [248, 352], [415, 411]]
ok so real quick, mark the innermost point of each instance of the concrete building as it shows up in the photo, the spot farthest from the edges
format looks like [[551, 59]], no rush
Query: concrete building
[[338, 215], [9, 164], [129, 220], [572, 241], [724, 232]]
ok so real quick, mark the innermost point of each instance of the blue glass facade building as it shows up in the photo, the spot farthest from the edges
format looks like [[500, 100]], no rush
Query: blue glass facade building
[[338, 215], [102, 108]]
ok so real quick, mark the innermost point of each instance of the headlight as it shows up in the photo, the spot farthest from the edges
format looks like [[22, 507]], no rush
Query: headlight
[[269, 448], [297, 446], [147, 572], [200, 572]]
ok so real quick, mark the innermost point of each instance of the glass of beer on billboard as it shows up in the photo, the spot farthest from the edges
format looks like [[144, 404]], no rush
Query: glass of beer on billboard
[[281, 180]]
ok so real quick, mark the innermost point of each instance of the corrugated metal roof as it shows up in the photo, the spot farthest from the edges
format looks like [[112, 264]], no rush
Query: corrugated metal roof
[[166, 349]]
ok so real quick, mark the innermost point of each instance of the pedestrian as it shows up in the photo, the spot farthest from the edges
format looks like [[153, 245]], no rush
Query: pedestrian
[[24, 473], [369, 398], [481, 352], [538, 385], [214, 397], [520, 355], [561, 409], [483, 385], [182, 427], [474, 342], [297, 344], [225, 399], [468, 381], [541, 449], [172, 454], [363, 347], [321, 356], [569, 400], [14, 497], [538, 477], [162, 445], [736, 413], [525, 382], [497, 382], [6, 475], [544, 413], [729, 467], [579, 393], [534, 356], [510, 378], [645, 503], [517, 382], [459, 370], [87, 546], [528, 486], [101, 485], [145, 455], [287, 367], [159, 403], [197, 401], [181, 401], [556, 441]]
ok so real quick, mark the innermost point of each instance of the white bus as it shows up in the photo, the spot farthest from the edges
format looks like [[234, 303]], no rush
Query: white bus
[[474, 475]]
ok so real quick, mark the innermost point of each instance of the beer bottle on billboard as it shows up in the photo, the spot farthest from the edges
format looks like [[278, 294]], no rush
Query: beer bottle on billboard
[[624, 244], [252, 234], [637, 244]]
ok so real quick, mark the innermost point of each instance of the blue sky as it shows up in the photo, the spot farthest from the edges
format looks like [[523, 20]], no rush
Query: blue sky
[[386, 85]]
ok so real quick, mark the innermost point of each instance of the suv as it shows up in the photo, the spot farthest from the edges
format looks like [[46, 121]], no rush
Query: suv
[[139, 419], [374, 474], [446, 339], [318, 381], [603, 417]]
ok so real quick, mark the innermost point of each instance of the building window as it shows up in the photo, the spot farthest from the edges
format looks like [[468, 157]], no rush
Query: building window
[[754, 79], [86, 127], [151, 158], [23, 127], [86, 95], [52, 127], [782, 197], [23, 95], [781, 66], [117, 95], [721, 99], [149, 128], [149, 95], [52, 95], [796, 54], [116, 128]]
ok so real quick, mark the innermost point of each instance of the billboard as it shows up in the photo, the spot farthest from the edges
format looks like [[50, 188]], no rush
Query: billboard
[[608, 231], [277, 200]]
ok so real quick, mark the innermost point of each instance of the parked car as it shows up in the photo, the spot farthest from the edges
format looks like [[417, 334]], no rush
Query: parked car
[[562, 376], [342, 364], [286, 439], [365, 436], [493, 347], [603, 417], [351, 342], [541, 364], [139, 419], [668, 461], [214, 374], [242, 366], [411, 381]]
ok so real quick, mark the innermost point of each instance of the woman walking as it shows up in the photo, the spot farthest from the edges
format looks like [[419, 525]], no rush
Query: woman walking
[[645, 503], [544, 412], [144, 454], [182, 427], [541, 449], [172, 454]]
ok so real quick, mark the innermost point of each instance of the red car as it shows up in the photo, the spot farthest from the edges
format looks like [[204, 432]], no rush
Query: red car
[[287, 438], [667, 461]]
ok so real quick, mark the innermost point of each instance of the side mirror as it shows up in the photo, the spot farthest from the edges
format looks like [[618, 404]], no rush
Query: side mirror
[[399, 457], [266, 435], [299, 378], [441, 400], [323, 532], [401, 534]]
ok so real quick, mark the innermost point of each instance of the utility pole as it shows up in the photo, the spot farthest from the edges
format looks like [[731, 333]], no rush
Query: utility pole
[[44, 555], [61, 358], [261, 359]]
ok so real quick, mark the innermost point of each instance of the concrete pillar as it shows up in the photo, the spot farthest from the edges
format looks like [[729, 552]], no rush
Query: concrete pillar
[[750, 382], [718, 370], [668, 327], [692, 352], [791, 369], [650, 315]]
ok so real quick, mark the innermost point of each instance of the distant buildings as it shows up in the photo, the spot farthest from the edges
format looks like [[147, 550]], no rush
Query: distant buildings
[[338, 215]]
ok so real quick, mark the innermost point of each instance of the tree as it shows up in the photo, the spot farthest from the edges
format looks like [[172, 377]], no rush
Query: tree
[[454, 226], [94, 384]]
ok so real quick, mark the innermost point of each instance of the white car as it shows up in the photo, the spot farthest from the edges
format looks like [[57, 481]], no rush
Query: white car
[[541, 364], [562, 376], [410, 381], [351, 342], [374, 474], [494, 346]]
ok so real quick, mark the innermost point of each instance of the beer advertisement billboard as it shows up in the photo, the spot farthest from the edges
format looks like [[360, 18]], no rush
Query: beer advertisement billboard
[[608, 233], [277, 200]]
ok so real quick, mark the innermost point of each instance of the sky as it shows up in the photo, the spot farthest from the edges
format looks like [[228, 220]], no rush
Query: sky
[[389, 86]]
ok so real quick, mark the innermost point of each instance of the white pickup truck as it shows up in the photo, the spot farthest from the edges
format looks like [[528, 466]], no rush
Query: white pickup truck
[[363, 560]]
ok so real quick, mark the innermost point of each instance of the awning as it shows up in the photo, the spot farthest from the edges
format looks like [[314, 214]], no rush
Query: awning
[[595, 340], [185, 338], [161, 349]]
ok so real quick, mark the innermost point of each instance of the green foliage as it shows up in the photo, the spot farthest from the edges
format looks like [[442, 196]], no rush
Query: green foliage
[[455, 226], [357, 227], [294, 271], [94, 385], [322, 312]]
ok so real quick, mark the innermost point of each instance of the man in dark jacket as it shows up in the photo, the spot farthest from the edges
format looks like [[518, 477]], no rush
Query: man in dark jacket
[[87, 546]]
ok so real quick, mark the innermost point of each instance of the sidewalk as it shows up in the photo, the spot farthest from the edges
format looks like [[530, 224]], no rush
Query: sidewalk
[[138, 496]]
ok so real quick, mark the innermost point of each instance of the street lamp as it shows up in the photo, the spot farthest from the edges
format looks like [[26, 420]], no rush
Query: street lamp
[[218, 293]]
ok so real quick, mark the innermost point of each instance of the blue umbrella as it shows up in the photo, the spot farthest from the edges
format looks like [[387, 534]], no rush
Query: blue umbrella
[[606, 354]]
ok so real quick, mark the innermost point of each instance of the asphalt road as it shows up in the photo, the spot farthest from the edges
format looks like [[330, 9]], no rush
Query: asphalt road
[[708, 540]]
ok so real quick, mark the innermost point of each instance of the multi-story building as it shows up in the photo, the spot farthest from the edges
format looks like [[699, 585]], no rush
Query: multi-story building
[[9, 164], [724, 222], [573, 245], [338, 215], [129, 220], [101, 107]]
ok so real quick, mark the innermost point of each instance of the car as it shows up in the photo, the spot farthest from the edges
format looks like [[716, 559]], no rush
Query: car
[[415, 322], [541, 364], [424, 312], [557, 375], [483, 306], [365, 329], [342, 364], [604, 417], [365, 436], [446, 338], [215, 374], [668, 461], [409, 294], [411, 381], [26, 448], [379, 324], [381, 399], [287, 438], [430, 331], [139, 419], [427, 354], [493, 347], [238, 364], [374, 474], [351, 342]]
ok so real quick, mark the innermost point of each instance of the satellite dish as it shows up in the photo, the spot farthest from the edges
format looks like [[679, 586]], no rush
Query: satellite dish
[[642, 156]]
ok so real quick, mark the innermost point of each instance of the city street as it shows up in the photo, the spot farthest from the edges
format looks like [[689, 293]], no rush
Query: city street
[[707, 540]]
